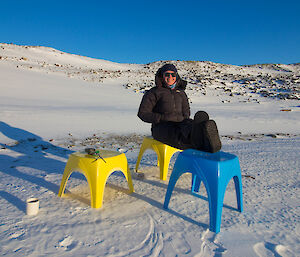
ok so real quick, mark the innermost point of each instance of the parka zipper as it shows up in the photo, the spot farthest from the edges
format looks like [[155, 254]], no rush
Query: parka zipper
[[174, 101]]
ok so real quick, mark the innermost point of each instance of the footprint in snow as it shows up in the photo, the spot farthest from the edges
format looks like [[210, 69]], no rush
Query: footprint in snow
[[209, 246], [51, 177], [266, 249], [179, 244], [67, 243], [17, 235]]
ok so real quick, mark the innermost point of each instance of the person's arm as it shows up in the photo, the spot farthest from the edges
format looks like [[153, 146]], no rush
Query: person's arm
[[145, 112], [186, 107]]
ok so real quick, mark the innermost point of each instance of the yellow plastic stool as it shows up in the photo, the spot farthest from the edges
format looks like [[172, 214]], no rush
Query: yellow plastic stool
[[164, 154], [96, 172]]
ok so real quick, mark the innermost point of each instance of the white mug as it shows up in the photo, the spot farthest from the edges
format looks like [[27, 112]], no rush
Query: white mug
[[32, 206]]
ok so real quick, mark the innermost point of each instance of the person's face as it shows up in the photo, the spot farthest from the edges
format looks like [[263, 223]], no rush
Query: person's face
[[170, 77]]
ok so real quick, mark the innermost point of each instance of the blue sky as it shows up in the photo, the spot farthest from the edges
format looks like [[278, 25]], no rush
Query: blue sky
[[231, 32]]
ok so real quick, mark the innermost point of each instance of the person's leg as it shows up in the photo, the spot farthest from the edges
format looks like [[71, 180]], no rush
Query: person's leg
[[212, 142], [184, 135], [176, 134], [205, 135], [201, 116], [197, 139]]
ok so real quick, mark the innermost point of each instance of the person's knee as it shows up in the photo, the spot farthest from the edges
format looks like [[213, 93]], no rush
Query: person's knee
[[201, 116]]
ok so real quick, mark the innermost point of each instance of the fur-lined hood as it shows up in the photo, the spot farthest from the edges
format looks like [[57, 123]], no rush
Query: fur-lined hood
[[180, 84]]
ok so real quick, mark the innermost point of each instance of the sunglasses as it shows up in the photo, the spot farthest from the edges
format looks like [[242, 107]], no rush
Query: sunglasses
[[168, 74]]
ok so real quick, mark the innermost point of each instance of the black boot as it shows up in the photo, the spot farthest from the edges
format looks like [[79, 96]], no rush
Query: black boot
[[212, 142], [201, 116], [197, 134]]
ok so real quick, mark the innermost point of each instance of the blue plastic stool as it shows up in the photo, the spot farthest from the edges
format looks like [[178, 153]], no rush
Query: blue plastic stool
[[215, 170]]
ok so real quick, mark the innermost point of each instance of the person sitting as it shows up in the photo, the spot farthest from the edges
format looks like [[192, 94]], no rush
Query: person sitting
[[166, 106]]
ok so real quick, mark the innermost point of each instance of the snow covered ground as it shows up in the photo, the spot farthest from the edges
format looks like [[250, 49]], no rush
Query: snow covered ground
[[53, 103]]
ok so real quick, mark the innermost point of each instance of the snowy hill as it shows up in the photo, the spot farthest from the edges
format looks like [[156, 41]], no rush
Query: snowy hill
[[269, 80], [45, 57]]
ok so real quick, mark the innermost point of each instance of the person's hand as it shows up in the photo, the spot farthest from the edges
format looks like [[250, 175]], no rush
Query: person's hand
[[170, 117]]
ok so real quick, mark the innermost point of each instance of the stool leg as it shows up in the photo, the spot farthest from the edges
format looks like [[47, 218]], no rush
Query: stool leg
[[196, 181], [173, 179], [215, 199], [163, 167], [164, 156], [147, 144], [97, 185], [142, 150], [238, 190], [67, 172], [97, 192], [129, 180]]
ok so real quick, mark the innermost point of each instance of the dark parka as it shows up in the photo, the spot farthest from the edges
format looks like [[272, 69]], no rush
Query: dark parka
[[168, 110]]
